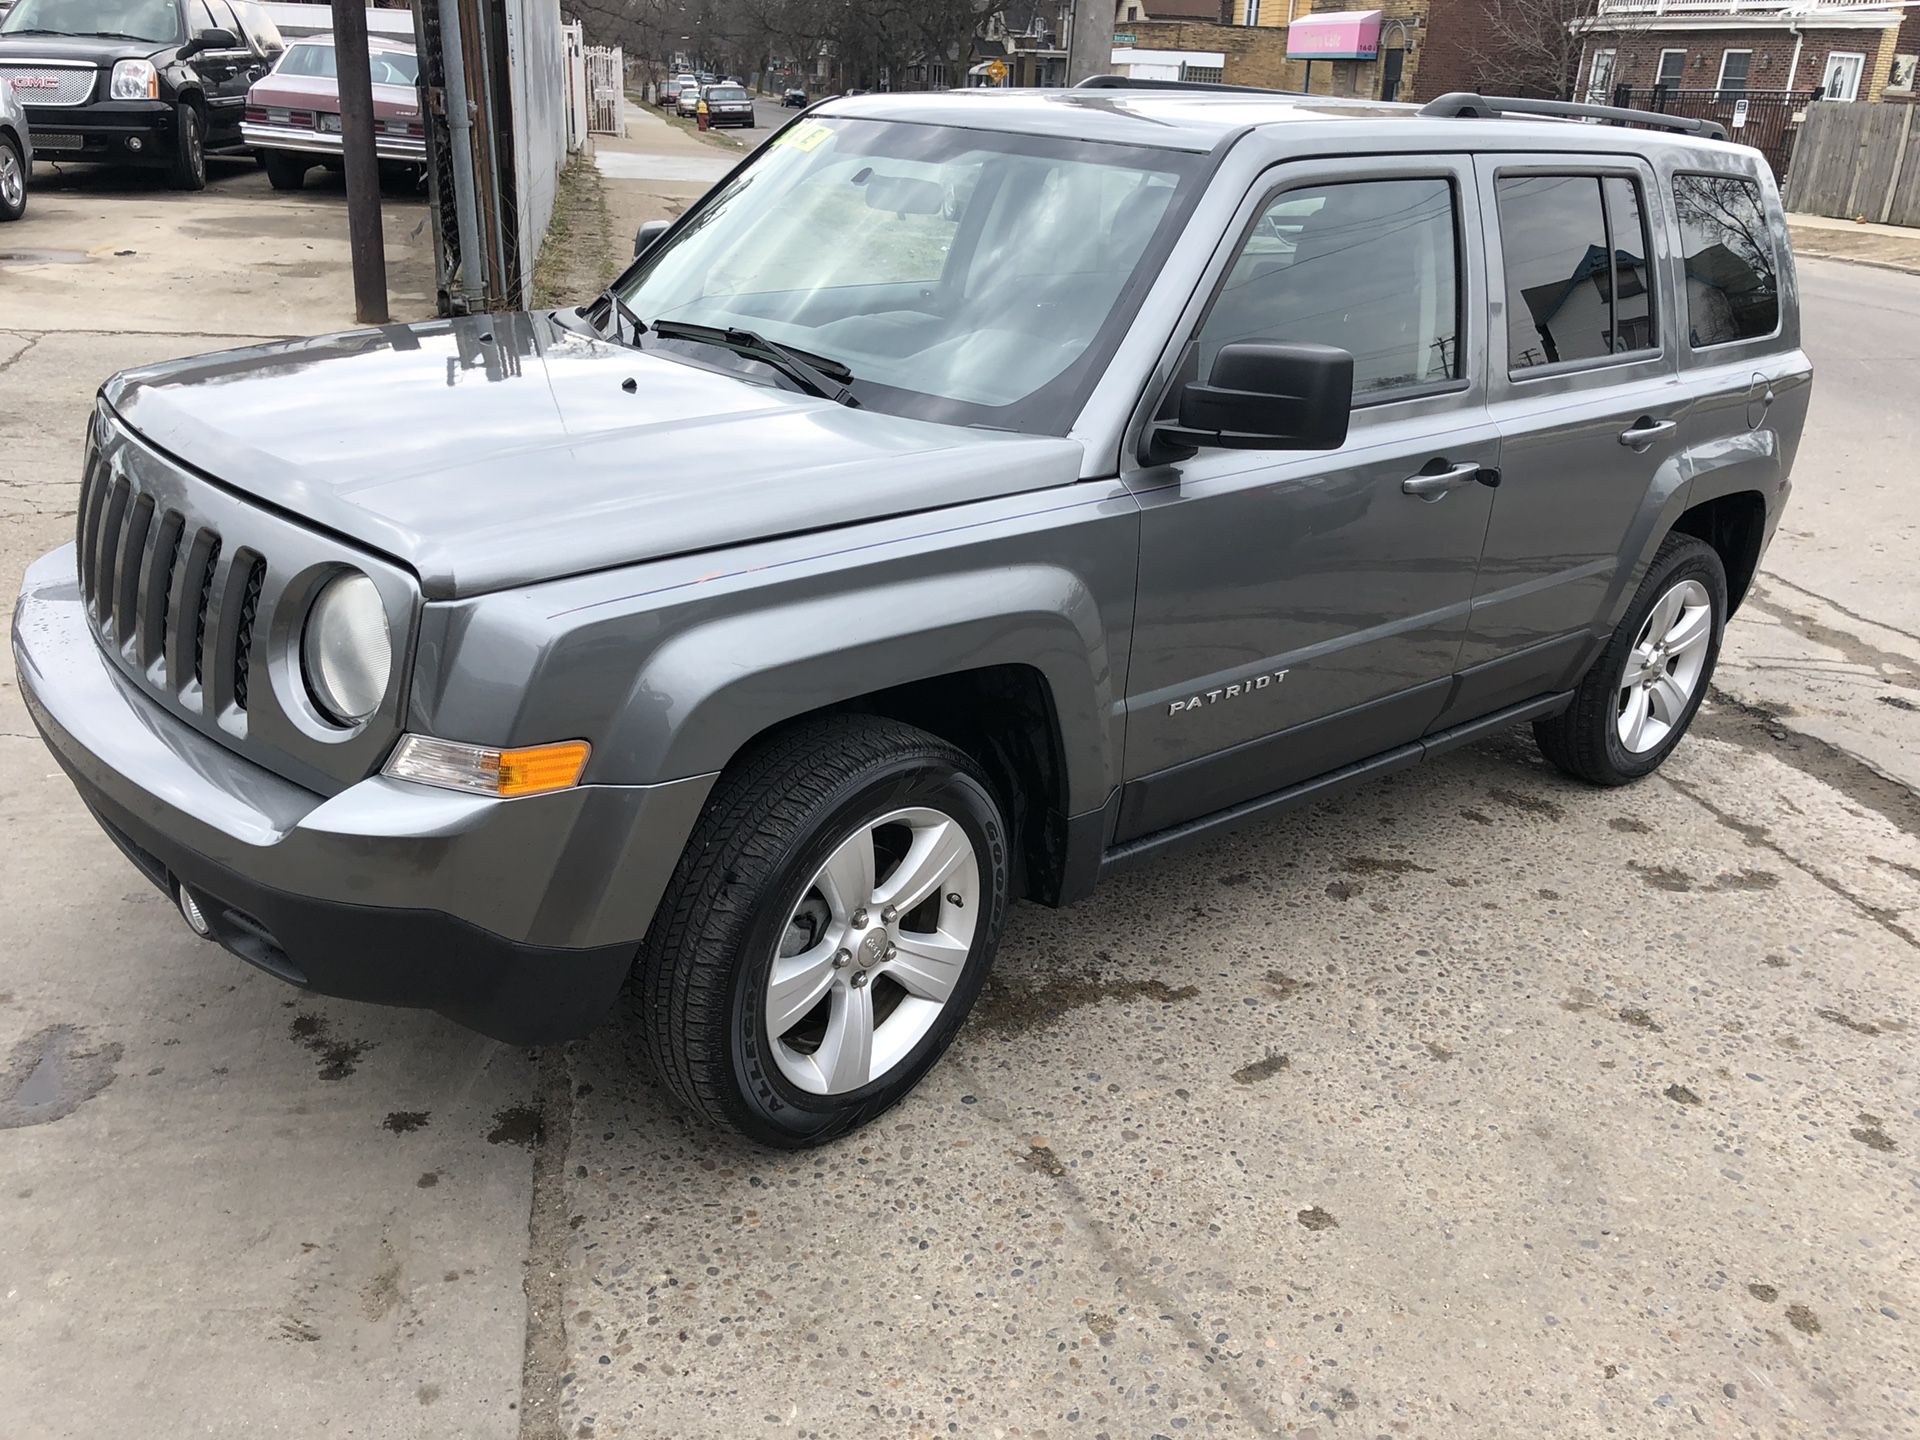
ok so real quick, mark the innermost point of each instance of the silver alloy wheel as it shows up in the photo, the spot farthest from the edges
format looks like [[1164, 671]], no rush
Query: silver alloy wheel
[[868, 960], [13, 180], [1664, 667]]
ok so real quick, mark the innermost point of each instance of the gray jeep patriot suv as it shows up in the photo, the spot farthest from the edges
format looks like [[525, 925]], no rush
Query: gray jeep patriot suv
[[972, 496]]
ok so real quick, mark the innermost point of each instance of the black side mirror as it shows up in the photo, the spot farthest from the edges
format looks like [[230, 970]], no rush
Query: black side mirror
[[1264, 395], [647, 234], [211, 40]]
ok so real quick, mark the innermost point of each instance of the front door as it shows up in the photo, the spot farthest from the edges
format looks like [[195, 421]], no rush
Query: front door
[[1298, 611], [222, 72], [1584, 389]]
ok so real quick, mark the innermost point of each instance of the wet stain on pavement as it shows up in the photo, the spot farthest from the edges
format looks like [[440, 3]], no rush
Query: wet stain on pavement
[[1527, 804], [1343, 889], [1314, 1218], [1381, 865], [1663, 877], [401, 1122], [1745, 879], [50, 1074], [1760, 1290], [1627, 825], [1847, 1022], [1478, 817], [1012, 1009], [1040, 1157], [1870, 1134], [1265, 1068], [298, 1330], [1281, 986], [1640, 1020], [337, 1059], [1803, 1320], [1681, 1095], [517, 1125], [428, 1180]]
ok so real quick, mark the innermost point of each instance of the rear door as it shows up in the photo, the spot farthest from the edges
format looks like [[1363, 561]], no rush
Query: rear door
[[1300, 611], [1583, 386]]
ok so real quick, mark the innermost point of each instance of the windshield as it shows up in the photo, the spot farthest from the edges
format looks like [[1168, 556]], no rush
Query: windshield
[[961, 275], [390, 67], [155, 20]]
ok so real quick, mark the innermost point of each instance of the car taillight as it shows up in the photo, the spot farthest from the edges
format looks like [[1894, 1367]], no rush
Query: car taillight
[[257, 114]]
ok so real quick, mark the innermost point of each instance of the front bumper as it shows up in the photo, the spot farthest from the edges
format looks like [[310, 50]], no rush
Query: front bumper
[[316, 142], [100, 132], [518, 918]]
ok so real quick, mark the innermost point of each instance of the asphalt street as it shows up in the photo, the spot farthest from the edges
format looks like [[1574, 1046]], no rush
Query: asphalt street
[[1475, 1104]]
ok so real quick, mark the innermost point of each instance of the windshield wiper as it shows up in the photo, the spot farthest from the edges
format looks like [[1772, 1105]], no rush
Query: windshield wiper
[[618, 310], [815, 374]]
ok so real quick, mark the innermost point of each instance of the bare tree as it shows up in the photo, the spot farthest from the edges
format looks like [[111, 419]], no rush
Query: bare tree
[[1525, 47]]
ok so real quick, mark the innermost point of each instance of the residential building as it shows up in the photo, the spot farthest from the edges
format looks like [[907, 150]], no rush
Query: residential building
[[1851, 49]]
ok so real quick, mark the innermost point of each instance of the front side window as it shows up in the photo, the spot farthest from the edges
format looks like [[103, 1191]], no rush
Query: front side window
[[1577, 274], [1368, 266], [961, 275], [156, 20], [1732, 284]]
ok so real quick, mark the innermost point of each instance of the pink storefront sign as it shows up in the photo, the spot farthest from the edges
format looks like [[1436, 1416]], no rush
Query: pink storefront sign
[[1343, 35]]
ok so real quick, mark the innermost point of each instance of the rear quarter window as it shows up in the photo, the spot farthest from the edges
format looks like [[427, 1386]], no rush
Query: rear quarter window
[[1732, 273]]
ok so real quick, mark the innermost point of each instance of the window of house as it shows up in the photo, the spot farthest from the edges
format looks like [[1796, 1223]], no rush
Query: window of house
[[1370, 266], [1673, 69], [1842, 79], [1577, 273], [1253, 12], [1203, 74], [1600, 77], [1732, 285], [1734, 65]]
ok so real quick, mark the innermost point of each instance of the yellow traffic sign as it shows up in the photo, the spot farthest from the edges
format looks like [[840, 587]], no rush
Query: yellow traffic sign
[[997, 71]]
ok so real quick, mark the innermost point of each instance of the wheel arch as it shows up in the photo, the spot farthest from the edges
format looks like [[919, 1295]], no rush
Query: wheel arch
[[1735, 525]]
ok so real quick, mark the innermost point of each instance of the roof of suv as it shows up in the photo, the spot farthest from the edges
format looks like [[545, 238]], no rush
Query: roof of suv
[[1203, 119]]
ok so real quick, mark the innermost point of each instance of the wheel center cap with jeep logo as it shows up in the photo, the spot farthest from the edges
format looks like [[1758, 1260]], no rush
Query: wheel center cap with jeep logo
[[873, 949]]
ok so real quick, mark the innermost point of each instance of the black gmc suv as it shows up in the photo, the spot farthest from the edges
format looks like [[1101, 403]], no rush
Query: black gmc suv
[[136, 82]]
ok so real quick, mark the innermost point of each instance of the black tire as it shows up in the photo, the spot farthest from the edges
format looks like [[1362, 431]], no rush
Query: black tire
[[700, 979], [285, 170], [11, 210], [1584, 739], [188, 170]]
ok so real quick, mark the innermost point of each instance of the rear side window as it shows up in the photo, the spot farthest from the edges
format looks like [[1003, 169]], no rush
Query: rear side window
[[1579, 286], [1732, 282], [1369, 266]]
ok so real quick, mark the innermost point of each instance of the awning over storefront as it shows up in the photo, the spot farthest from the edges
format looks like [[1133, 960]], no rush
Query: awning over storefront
[[1338, 35]]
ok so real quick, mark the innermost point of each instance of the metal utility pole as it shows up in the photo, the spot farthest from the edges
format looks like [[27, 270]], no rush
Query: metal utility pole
[[364, 235]]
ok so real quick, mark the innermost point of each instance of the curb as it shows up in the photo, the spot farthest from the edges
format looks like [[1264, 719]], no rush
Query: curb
[[1894, 265]]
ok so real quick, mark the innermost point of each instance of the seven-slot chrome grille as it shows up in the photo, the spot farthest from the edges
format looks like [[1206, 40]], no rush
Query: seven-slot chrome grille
[[199, 597]]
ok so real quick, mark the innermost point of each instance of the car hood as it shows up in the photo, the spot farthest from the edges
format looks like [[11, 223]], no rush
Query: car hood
[[492, 451], [101, 50]]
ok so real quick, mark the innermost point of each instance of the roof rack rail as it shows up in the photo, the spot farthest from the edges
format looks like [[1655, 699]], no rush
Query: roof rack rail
[[1465, 105], [1127, 82]]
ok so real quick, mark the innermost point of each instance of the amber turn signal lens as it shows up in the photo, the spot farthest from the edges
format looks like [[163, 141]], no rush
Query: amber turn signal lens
[[545, 767]]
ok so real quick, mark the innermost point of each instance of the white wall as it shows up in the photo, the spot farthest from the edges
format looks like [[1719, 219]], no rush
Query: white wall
[[537, 71]]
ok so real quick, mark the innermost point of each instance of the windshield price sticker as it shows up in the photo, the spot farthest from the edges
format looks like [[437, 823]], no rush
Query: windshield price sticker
[[808, 136]]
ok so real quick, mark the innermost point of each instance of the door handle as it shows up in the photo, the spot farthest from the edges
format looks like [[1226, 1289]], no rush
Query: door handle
[[1430, 485], [1644, 431]]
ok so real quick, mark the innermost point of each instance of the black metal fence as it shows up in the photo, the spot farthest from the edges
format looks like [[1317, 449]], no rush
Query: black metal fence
[[1768, 120]]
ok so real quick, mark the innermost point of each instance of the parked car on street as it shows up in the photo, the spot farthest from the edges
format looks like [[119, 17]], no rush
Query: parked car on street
[[668, 96], [137, 82], [794, 98], [728, 105], [1053, 512], [16, 155], [688, 105], [293, 114]]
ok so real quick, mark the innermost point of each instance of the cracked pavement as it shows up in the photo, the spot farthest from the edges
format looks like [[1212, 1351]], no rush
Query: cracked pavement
[[1475, 1103]]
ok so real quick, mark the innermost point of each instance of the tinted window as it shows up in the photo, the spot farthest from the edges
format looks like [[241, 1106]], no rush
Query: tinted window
[[1578, 281], [726, 92], [1370, 267], [156, 20], [1732, 286]]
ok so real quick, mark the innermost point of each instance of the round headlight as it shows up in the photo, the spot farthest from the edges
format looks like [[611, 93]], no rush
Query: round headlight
[[347, 650]]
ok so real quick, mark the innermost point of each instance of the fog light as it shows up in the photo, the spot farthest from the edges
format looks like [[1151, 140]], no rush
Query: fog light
[[483, 771], [134, 142], [191, 912]]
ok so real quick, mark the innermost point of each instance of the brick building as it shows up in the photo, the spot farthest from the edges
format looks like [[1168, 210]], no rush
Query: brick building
[[1415, 49], [1855, 49]]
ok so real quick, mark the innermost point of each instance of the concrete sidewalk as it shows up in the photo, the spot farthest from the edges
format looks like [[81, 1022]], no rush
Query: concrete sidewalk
[[1893, 247], [654, 171]]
